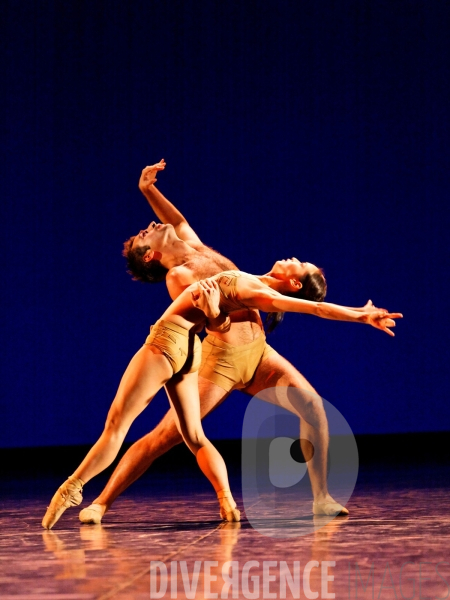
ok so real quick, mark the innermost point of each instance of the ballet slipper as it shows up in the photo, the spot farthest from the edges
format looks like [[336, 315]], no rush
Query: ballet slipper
[[69, 494], [92, 514], [331, 509], [228, 510]]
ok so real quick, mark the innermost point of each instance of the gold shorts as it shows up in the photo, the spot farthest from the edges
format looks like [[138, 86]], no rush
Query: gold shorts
[[180, 348], [232, 367]]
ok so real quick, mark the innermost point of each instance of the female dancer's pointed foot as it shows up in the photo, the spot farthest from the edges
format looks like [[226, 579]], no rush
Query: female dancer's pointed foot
[[329, 508], [228, 510], [93, 514], [69, 494]]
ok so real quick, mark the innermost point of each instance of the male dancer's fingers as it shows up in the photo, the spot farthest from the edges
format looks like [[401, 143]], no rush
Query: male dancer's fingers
[[157, 167], [149, 176], [207, 291], [208, 282], [213, 287], [207, 285], [195, 298], [200, 288]]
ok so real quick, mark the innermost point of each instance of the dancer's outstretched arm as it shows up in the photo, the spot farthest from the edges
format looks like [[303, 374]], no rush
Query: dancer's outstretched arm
[[163, 208], [255, 294], [269, 300]]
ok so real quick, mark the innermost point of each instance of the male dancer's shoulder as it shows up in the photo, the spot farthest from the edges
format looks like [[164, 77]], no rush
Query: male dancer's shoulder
[[179, 278]]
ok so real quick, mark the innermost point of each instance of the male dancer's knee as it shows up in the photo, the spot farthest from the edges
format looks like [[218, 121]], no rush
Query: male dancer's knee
[[164, 437], [308, 405], [314, 412]]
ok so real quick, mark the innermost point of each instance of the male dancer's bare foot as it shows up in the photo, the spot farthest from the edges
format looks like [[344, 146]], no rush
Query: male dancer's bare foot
[[328, 506], [93, 514]]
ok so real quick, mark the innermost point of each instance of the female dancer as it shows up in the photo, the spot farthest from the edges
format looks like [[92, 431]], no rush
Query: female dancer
[[171, 357]]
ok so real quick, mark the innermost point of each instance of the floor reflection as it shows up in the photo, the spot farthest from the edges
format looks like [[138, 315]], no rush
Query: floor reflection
[[394, 542]]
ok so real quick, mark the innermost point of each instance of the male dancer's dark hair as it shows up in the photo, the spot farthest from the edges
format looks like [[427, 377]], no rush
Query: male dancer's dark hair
[[148, 272]]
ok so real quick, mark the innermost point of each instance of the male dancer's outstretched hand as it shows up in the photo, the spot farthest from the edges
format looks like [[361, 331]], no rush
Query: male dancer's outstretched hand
[[148, 176]]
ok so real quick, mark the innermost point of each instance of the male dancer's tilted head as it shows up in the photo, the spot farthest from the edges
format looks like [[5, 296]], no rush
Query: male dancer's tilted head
[[144, 252]]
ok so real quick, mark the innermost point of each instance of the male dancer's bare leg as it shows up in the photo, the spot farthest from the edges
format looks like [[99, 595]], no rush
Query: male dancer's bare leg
[[276, 371]]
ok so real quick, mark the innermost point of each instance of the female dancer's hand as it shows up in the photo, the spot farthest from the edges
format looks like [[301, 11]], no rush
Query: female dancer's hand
[[381, 319], [207, 298], [370, 307]]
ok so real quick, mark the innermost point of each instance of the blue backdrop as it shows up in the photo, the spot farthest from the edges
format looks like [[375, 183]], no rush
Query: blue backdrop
[[314, 129]]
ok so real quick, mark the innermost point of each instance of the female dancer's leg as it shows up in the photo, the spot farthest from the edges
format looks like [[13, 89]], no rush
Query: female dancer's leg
[[184, 397], [147, 372]]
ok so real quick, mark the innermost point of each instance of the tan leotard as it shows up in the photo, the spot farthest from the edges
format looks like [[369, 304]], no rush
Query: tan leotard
[[227, 281], [180, 346]]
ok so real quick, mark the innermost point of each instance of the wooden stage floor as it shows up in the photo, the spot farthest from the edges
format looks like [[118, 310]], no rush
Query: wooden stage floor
[[396, 543]]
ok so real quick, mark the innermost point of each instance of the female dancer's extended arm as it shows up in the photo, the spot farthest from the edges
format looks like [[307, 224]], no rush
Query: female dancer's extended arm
[[255, 294], [269, 300]]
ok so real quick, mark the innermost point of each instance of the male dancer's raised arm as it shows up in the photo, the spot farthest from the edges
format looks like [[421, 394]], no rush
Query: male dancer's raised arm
[[162, 207]]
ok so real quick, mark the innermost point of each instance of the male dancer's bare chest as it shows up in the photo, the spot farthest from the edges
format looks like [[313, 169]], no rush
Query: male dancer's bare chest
[[208, 262]]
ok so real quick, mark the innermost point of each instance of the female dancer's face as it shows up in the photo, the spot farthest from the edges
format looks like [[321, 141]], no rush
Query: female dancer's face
[[292, 268]]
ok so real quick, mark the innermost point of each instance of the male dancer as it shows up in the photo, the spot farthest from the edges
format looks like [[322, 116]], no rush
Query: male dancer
[[236, 356]]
